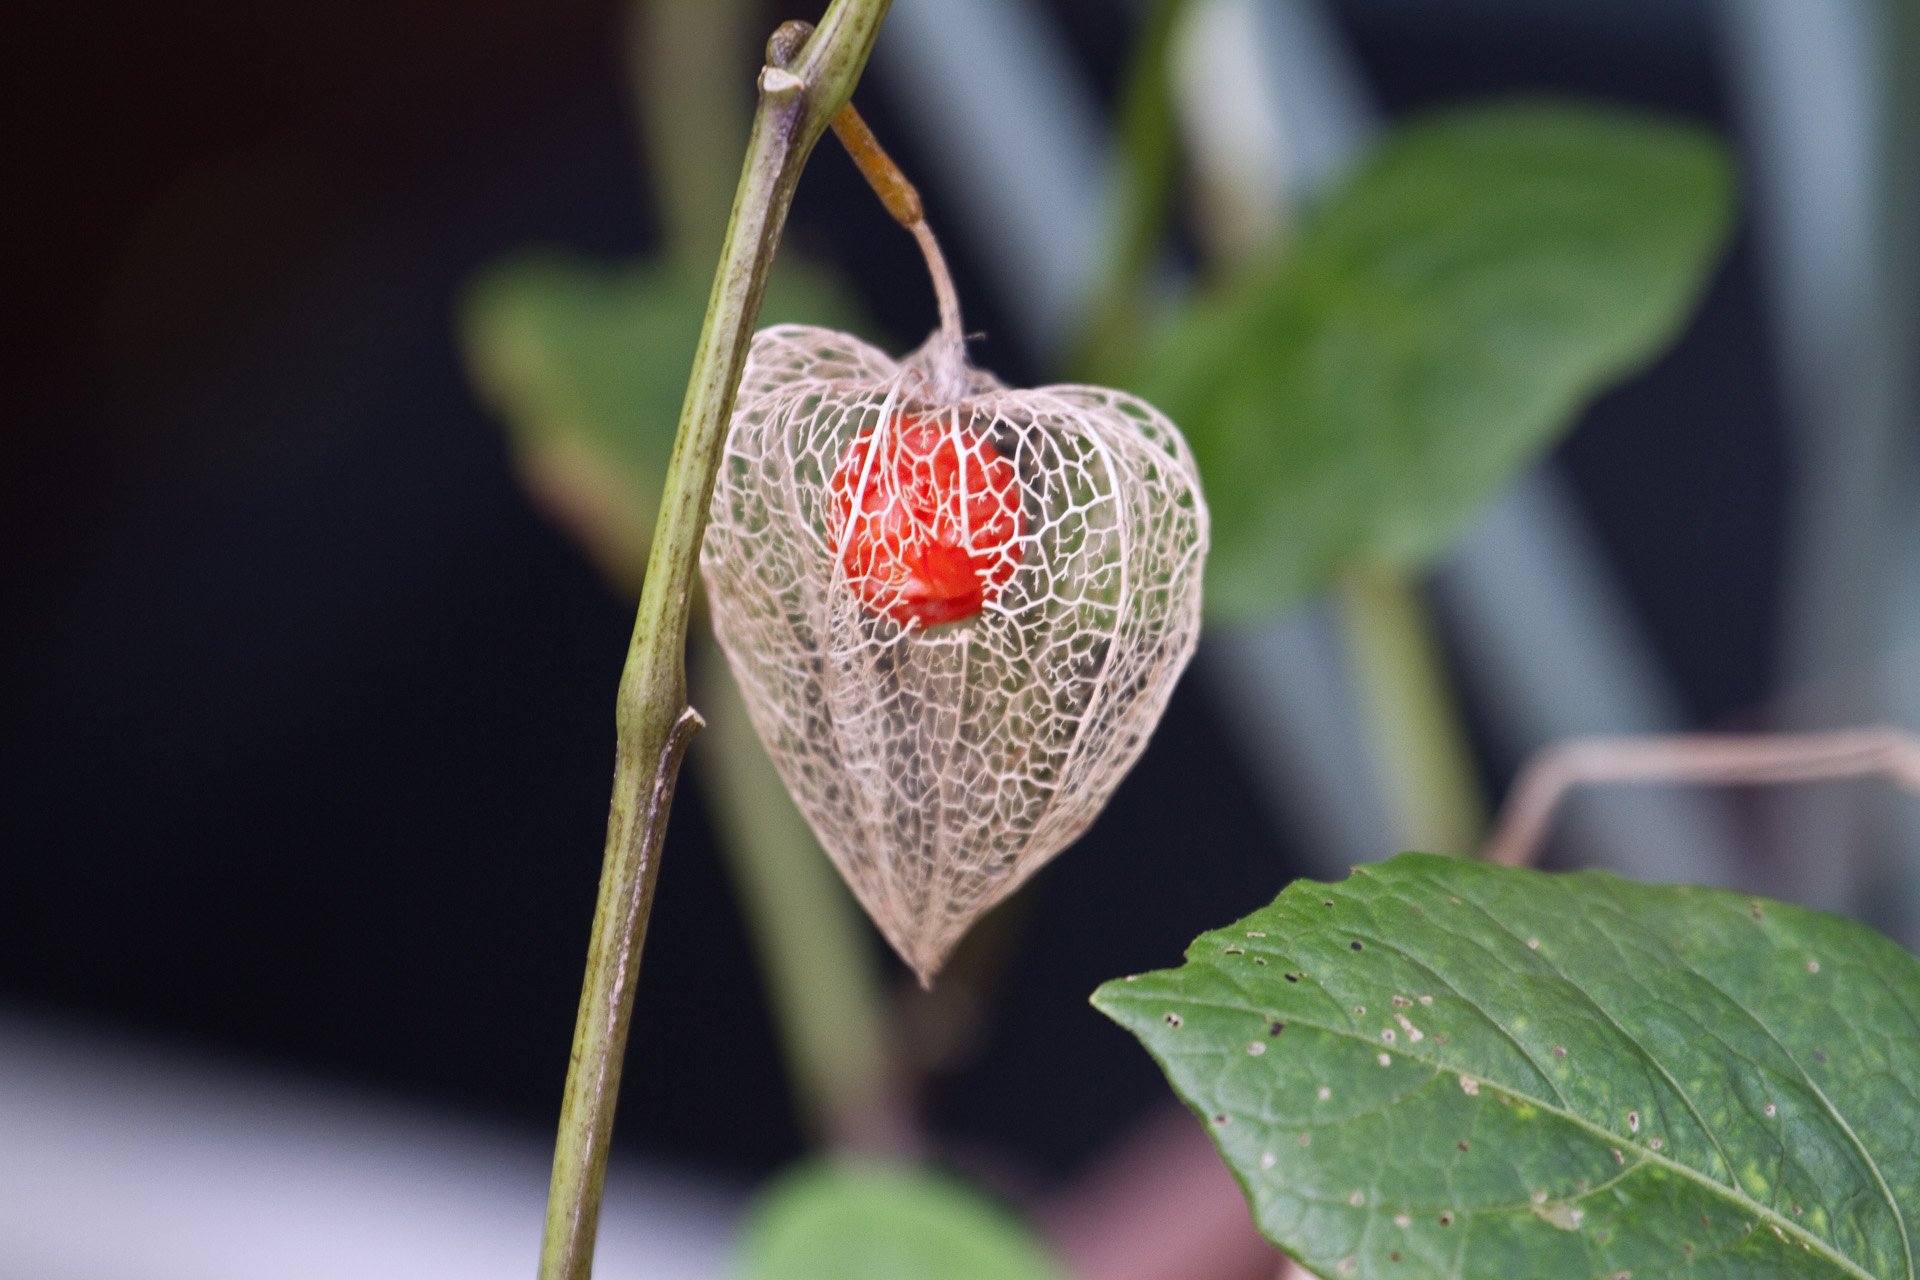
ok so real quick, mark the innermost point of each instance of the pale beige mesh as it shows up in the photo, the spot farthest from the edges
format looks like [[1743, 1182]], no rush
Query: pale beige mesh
[[942, 766]]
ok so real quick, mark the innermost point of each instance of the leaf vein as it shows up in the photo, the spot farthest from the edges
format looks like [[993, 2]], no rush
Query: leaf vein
[[1632, 1042], [1468, 1000], [1646, 1156], [1873, 1166]]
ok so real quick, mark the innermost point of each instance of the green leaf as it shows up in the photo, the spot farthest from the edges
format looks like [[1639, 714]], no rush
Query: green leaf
[[876, 1222], [1435, 327], [588, 364], [1448, 1068]]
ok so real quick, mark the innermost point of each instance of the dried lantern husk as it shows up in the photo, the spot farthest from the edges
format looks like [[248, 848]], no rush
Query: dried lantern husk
[[941, 765]]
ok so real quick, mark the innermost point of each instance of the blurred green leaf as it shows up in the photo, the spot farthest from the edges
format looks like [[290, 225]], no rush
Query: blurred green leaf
[[588, 364], [1435, 327], [1448, 1068], [878, 1222]]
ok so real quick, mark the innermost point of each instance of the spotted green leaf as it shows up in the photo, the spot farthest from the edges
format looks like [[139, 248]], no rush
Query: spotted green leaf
[[1446, 1068], [878, 1222], [1435, 326]]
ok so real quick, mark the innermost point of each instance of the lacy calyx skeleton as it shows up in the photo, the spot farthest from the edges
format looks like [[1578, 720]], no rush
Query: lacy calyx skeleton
[[956, 610]]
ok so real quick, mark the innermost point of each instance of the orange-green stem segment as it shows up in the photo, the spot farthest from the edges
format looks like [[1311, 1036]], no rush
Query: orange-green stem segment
[[901, 197]]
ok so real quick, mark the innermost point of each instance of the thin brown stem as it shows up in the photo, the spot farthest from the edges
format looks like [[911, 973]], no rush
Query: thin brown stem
[[1719, 759], [942, 284], [896, 192], [902, 200]]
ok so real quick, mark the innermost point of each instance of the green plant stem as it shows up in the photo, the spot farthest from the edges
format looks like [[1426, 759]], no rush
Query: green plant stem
[[1149, 153], [653, 721], [1409, 709], [813, 945], [816, 955]]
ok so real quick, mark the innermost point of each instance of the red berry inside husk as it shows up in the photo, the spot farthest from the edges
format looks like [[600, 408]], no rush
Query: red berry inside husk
[[934, 534]]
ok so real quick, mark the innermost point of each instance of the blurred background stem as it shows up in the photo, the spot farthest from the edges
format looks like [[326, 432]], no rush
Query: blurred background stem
[[1173, 101], [1411, 713], [687, 61], [813, 947], [1146, 178]]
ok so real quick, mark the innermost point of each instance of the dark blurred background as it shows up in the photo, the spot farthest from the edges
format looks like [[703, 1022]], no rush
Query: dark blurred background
[[306, 712]]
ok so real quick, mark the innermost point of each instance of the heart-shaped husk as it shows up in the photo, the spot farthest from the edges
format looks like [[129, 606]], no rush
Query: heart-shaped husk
[[941, 766]]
